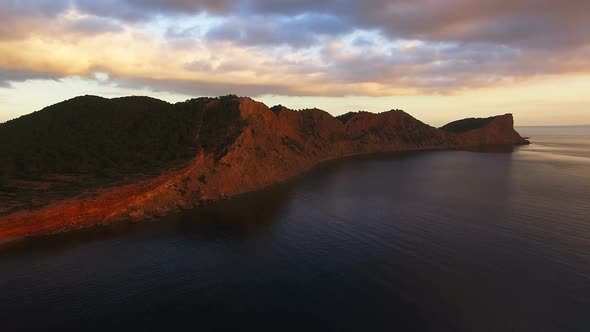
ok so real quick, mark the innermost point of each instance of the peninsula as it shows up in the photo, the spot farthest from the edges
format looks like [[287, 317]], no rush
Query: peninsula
[[91, 160]]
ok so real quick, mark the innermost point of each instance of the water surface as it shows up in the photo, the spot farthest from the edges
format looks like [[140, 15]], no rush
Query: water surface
[[434, 241]]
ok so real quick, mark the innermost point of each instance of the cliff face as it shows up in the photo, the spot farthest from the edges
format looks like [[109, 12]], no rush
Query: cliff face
[[249, 148]]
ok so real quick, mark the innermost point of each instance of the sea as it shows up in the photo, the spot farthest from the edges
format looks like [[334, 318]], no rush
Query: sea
[[494, 240]]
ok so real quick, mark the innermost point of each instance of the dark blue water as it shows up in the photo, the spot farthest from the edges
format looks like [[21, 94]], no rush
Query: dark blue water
[[435, 241]]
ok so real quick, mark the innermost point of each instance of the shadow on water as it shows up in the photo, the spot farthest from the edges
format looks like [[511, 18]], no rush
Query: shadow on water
[[246, 215]]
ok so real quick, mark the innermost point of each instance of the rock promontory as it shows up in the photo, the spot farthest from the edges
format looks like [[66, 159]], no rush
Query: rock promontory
[[91, 160]]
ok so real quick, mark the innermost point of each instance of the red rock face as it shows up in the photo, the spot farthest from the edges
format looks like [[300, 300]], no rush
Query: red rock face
[[272, 147]]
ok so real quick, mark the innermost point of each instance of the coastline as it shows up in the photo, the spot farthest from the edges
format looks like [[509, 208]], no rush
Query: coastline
[[257, 159]]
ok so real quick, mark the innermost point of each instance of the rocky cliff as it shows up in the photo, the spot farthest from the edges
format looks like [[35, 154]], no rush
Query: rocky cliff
[[245, 146]]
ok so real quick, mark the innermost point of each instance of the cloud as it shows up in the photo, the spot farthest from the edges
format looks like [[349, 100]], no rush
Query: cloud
[[300, 31], [202, 87], [320, 47], [94, 25], [493, 21], [22, 17], [8, 76], [141, 10], [32, 8], [525, 23]]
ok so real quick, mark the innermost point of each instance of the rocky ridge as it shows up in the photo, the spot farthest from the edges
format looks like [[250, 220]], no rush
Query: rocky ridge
[[264, 147]]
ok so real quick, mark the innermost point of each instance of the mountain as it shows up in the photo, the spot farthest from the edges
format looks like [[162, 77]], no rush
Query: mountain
[[93, 160]]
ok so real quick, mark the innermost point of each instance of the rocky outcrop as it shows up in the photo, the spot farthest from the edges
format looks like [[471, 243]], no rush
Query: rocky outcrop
[[262, 148]]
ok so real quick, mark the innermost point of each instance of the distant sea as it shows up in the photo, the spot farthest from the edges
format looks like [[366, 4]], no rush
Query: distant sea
[[429, 241]]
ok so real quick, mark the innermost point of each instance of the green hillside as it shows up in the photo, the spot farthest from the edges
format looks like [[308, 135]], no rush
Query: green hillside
[[461, 126], [95, 141]]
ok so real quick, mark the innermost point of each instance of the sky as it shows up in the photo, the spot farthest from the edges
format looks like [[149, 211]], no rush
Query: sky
[[439, 60]]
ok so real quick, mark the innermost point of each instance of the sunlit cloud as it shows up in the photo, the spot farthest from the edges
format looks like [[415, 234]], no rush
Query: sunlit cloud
[[318, 48]]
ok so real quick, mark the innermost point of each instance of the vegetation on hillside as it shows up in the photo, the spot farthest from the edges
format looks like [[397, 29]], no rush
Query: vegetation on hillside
[[93, 135], [222, 124], [461, 126], [348, 116], [278, 108], [111, 138]]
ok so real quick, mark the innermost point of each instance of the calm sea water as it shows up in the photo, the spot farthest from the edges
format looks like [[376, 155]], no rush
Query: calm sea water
[[435, 241]]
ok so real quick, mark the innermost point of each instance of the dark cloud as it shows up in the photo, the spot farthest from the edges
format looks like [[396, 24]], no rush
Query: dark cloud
[[20, 17], [523, 24], [94, 25], [138, 10], [197, 88], [461, 20], [8, 76], [32, 8], [299, 31]]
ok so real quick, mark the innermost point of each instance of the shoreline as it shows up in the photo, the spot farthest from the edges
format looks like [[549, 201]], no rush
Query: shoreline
[[254, 150], [66, 227]]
